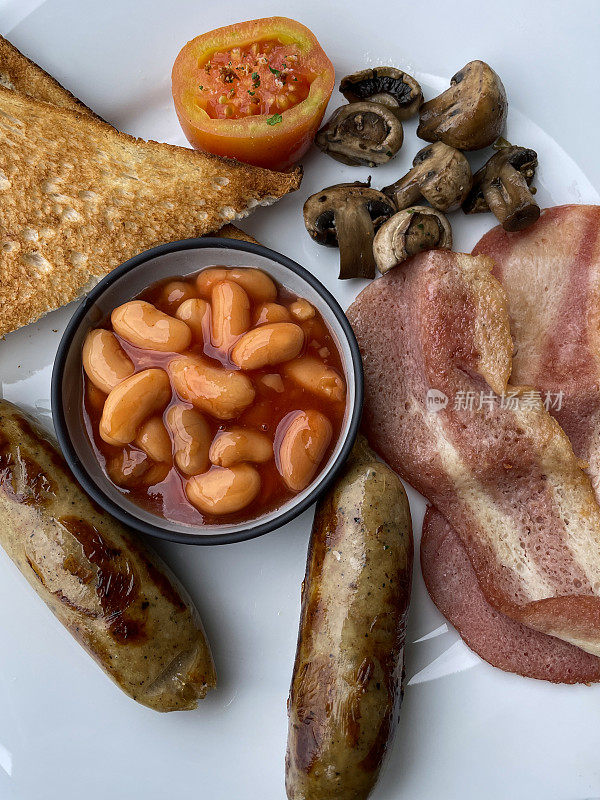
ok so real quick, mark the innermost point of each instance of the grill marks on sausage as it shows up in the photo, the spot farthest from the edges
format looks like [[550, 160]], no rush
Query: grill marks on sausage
[[115, 580], [312, 694], [34, 434], [41, 487], [116, 585], [22, 477], [345, 684], [159, 578], [387, 642], [104, 588], [312, 691], [77, 569], [7, 467]]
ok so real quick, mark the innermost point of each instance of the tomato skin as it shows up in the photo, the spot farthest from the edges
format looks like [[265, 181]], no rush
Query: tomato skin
[[252, 139]]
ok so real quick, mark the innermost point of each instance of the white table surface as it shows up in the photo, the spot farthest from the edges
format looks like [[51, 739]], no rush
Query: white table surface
[[467, 730]]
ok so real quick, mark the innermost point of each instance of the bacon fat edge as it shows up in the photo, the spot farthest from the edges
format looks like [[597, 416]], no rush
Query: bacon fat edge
[[504, 476]]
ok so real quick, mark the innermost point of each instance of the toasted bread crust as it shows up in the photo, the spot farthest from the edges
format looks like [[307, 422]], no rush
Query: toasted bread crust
[[79, 198], [23, 75], [231, 232]]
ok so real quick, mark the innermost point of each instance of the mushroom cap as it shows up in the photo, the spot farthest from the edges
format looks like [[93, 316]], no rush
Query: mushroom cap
[[441, 174], [523, 159], [361, 134], [470, 114], [319, 209], [409, 232], [386, 85]]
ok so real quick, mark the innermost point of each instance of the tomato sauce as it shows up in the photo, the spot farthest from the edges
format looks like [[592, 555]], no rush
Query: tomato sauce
[[276, 397]]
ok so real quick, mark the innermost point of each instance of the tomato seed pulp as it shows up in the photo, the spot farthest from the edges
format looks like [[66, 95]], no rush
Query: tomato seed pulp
[[260, 78]]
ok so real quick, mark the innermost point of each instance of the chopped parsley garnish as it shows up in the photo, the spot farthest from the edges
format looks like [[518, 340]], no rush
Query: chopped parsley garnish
[[275, 71], [256, 79], [201, 87], [251, 93], [275, 119]]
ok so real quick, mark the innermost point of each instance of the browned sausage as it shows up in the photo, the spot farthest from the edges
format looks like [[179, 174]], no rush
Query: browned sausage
[[108, 589], [347, 676]]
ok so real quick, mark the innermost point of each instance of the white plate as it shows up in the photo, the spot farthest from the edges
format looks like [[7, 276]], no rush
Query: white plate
[[467, 730]]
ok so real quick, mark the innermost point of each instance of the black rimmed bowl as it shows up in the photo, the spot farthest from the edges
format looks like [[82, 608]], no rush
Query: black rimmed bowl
[[185, 258]]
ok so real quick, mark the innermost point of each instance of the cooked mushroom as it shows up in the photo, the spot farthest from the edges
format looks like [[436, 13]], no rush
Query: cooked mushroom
[[502, 186], [386, 85], [347, 215], [470, 114], [410, 232], [361, 134], [441, 174]]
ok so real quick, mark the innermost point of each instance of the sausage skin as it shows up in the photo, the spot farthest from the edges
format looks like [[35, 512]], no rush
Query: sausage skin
[[346, 684], [107, 588]]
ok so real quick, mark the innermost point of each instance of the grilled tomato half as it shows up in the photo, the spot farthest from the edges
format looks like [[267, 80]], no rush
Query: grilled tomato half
[[255, 91]]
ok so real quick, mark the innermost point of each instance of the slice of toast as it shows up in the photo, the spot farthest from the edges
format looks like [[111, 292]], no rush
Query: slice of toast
[[78, 198], [23, 75]]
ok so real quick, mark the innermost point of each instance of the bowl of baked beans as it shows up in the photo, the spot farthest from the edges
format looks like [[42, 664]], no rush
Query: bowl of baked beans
[[207, 391]]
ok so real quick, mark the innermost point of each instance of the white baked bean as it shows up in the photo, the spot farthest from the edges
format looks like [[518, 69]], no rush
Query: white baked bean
[[174, 293], [193, 312], [230, 313], [146, 326], [153, 438], [271, 312], [127, 468], [316, 377], [224, 490], [240, 444], [219, 392], [268, 345], [256, 283], [132, 468], [302, 448], [191, 439], [156, 473], [302, 310], [95, 397], [131, 402], [105, 362], [273, 381]]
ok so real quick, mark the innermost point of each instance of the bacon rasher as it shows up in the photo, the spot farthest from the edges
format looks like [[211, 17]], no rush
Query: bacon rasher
[[502, 642], [502, 473], [551, 276]]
